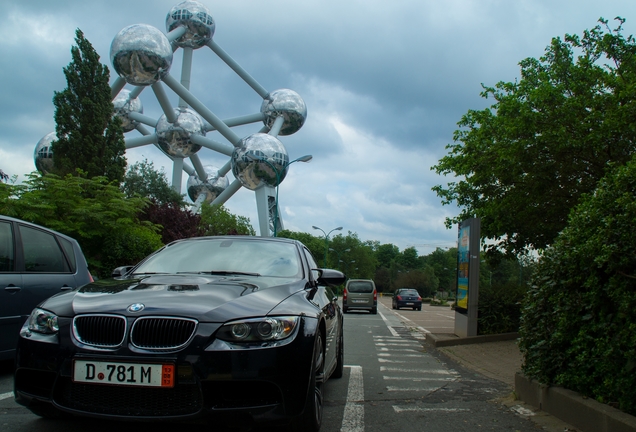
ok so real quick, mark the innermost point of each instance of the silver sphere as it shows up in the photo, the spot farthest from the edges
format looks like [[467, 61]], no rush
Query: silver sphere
[[254, 173], [123, 106], [141, 54], [43, 154], [212, 185], [290, 105], [174, 138], [196, 20]]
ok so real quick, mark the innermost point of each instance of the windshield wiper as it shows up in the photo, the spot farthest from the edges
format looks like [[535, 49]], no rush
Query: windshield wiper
[[228, 272]]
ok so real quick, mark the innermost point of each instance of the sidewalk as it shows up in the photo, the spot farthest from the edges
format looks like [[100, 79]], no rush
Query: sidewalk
[[498, 357]]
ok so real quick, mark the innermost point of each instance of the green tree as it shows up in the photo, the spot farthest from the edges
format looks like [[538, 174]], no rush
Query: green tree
[[217, 220], [522, 164], [144, 180], [578, 327], [423, 280], [167, 207], [93, 211], [89, 137]]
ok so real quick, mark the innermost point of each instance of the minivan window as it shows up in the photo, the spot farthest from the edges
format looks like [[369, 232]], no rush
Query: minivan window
[[42, 254], [360, 287], [6, 247], [70, 252]]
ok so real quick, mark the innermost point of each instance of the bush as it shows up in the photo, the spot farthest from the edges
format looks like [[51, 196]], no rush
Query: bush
[[499, 308], [578, 327]]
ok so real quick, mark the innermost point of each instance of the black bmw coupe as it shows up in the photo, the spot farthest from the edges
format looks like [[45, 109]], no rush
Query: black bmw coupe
[[240, 330]]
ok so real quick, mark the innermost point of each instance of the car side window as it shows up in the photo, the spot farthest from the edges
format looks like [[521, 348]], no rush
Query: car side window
[[6, 247], [42, 254], [70, 252]]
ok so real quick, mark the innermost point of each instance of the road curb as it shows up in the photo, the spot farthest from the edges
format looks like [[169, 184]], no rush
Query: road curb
[[445, 340], [586, 414]]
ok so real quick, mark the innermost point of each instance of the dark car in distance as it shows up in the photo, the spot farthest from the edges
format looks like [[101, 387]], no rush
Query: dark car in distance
[[237, 330], [407, 297], [35, 263]]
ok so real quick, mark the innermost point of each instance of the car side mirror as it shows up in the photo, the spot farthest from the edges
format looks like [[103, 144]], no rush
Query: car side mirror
[[121, 271], [331, 277]]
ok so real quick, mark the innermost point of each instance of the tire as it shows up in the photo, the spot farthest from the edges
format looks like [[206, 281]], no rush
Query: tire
[[339, 370], [419, 308], [414, 308], [374, 311], [345, 310], [392, 306], [311, 418]]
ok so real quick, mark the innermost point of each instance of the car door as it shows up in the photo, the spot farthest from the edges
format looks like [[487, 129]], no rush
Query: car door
[[10, 292], [47, 270], [327, 301]]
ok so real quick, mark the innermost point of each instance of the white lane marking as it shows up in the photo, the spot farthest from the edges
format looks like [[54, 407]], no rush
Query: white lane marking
[[398, 350], [433, 371], [6, 395], [353, 418], [523, 411], [398, 409], [385, 354], [386, 321], [412, 389], [390, 378], [383, 360], [423, 330], [398, 344]]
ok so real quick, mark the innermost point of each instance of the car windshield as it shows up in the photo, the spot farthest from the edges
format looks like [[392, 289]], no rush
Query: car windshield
[[360, 287], [225, 256]]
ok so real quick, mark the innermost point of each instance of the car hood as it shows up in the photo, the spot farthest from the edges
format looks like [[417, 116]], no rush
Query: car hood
[[205, 298]]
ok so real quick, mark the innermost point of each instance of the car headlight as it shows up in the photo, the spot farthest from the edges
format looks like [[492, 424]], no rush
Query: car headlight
[[43, 321], [258, 329]]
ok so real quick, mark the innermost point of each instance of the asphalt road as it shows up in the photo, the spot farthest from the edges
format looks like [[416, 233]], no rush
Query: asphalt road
[[392, 382]]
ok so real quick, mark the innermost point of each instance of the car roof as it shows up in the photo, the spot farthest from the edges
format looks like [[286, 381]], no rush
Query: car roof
[[31, 224], [235, 237]]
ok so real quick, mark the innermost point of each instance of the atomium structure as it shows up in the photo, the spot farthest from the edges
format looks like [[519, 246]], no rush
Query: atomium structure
[[142, 56]]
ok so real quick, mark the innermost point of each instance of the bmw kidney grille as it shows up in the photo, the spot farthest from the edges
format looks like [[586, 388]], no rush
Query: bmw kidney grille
[[147, 333]]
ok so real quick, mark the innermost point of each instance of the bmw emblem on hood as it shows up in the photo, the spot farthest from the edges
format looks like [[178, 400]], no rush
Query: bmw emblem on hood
[[136, 307]]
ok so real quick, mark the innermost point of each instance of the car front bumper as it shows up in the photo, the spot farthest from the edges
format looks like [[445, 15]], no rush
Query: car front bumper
[[250, 385]]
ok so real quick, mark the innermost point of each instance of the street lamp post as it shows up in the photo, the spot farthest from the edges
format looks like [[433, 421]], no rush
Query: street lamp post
[[278, 173], [338, 253], [326, 239]]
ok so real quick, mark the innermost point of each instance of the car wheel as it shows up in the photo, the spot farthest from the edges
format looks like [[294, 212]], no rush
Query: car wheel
[[414, 308], [345, 310], [337, 373], [374, 311], [393, 306], [419, 308], [311, 418]]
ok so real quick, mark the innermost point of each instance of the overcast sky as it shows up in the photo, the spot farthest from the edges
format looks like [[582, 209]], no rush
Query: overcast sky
[[385, 83]]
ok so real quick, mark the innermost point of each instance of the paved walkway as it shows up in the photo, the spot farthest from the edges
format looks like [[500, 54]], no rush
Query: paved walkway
[[498, 360]]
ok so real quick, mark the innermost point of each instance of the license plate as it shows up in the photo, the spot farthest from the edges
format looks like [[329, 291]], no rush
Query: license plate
[[359, 301], [130, 374], [409, 304]]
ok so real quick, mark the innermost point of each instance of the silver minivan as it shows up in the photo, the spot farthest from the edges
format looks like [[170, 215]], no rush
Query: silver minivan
[[360, 294]]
